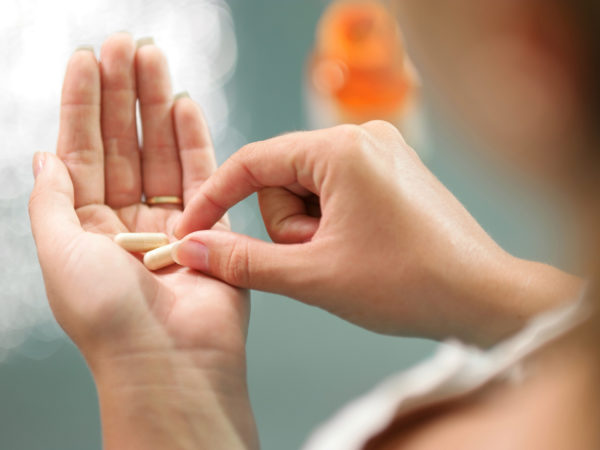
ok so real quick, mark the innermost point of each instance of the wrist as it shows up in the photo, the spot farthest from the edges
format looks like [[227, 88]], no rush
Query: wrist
[[507, 292], [163, 399], [537, 287]]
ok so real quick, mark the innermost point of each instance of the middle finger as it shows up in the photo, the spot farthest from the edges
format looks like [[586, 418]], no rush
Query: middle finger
[[123, 178]]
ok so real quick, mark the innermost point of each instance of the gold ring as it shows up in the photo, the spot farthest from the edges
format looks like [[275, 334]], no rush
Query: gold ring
[[164, 200]]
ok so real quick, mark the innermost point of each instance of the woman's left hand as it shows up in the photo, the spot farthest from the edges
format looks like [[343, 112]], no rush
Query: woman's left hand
[[167, 349]]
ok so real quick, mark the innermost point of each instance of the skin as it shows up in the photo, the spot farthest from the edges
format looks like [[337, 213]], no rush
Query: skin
[[166, 349], [554, 408], [486, 62], [380, 206]]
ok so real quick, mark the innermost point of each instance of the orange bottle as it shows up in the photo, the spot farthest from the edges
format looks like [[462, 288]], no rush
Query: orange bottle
[[358, 69]]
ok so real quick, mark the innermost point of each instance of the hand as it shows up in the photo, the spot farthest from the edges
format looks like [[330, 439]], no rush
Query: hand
[[365, 231], [167, 349]]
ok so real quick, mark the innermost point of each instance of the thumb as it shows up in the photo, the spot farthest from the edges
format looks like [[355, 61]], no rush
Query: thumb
[[53, 217], [249, 263]]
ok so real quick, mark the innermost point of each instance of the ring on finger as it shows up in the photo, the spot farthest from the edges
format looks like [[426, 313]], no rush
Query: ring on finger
[[164, 200]]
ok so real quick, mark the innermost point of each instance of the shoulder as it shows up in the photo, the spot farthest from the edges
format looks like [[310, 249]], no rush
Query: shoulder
[[555, 407]]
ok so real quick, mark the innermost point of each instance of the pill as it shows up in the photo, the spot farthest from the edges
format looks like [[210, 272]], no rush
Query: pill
[[141, 242], [160, 257]]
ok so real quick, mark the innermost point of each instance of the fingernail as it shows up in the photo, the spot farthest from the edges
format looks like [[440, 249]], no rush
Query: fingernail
[[85, 48], [144, 41], [191, 253], [184, 94], [39, 159]]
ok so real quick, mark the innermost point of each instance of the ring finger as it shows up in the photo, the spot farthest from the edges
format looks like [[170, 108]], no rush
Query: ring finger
[[161, 168]]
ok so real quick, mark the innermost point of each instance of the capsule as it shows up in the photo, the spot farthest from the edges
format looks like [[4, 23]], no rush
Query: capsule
[[160, 257], [141, 242]]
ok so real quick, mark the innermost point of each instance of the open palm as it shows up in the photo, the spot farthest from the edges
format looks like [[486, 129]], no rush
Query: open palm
[[104, 297]]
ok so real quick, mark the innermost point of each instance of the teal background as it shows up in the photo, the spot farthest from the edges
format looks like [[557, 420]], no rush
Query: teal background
[[303, 363]]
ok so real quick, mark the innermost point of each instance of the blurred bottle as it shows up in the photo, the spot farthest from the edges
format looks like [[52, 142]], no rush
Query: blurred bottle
[[358, 69]]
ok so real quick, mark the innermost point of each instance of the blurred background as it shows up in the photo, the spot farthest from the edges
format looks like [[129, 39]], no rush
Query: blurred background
[[258, 71]]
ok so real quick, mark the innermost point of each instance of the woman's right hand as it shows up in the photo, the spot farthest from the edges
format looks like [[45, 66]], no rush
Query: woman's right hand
[[364, 230]]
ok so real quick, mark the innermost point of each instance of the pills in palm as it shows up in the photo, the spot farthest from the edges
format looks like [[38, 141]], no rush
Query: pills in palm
[[141, 242]]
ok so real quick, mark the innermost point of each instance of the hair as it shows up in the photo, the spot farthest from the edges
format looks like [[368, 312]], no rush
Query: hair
[[587, 16]]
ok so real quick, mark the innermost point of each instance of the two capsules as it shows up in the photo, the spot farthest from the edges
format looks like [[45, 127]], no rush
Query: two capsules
[[155, 246]]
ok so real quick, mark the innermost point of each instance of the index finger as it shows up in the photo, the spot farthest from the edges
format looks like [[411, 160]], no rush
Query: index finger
[[79, 138], [281, 161]]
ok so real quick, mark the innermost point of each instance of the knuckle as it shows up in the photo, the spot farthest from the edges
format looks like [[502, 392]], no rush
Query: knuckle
[[350, 139], [125, 196], [237, 265], [248, 151], [351, 132], [384, 129], [34, 199], [386, 139], [85, 156], [243, 162], [381, 125]]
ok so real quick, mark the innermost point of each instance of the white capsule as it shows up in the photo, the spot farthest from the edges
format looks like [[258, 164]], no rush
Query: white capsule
[[141, 242], [160, 257]]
